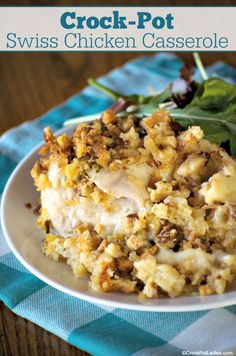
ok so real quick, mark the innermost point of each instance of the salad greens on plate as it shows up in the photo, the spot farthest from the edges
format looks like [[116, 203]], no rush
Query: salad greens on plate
[[210, 104]]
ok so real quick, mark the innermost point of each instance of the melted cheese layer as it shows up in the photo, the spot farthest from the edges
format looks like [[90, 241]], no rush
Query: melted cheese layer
[[128, 191], [66, 217]]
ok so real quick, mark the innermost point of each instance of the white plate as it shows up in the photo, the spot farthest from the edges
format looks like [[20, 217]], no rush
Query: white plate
[[25, 240]]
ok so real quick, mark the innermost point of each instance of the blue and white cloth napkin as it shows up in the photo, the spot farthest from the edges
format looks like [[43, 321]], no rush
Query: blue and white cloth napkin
[[100, 330]]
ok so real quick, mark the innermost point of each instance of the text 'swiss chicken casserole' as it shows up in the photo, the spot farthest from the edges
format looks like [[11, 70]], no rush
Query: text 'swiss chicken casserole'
[[139, 206]]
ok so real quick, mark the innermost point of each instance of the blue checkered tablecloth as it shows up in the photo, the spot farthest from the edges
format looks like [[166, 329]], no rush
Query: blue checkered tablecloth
[[100, 330]]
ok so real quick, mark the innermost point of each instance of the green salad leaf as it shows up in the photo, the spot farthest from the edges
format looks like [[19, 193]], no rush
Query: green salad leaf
[[210, 105], [213, 108], [154, 102], [214, 94], [217, 129]]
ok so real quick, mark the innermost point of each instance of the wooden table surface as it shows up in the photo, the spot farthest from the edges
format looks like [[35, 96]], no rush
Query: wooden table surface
[[30, 84]]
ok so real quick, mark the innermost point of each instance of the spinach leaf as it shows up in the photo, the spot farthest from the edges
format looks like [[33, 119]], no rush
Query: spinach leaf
[[215, 128], [215, 115], [213, 108], [153, 103], [214, 94], [210, 105]]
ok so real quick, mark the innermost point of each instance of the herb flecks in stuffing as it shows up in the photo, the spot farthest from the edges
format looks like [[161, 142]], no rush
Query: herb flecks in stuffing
[[140, 205]]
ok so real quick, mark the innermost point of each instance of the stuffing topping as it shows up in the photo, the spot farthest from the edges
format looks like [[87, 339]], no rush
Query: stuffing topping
[[139, 206]]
